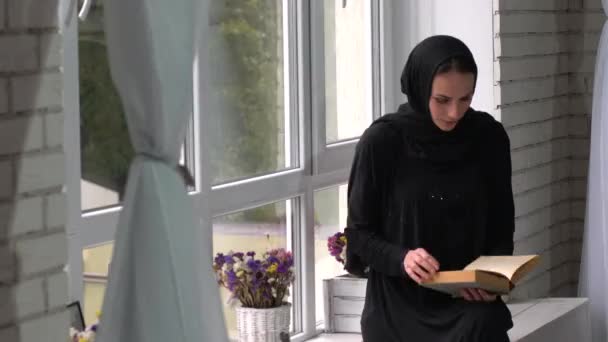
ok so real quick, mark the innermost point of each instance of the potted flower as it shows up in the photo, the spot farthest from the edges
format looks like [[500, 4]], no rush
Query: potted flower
[[87, 335], [347, 289], [261, 286]]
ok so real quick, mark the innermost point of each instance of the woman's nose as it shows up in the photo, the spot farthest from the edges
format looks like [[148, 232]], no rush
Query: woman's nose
[[454, 113]]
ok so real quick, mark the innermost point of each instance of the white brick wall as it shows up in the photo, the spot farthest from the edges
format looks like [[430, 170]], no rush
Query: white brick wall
[[538, 132], [3, 96], [535, 199], [535, 155], [40, 171], [54, 130], [18, 52], [6, 179], [545, 59], [24, 219], [522, 68], [33, 243], [50, 44], [29, 297], [541, 110], [49, 327], [541, 176], [532, 89], [41, 253], [37, 91], [540, 219], [537, 5], [55, 211], [32, 13], [33, 138], [57, 285]]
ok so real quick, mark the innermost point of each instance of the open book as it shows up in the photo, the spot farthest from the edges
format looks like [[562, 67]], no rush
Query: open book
[[496, 274]]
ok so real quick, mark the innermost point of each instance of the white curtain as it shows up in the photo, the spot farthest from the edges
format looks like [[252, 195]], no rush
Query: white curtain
[[593, 281], [161, 286]]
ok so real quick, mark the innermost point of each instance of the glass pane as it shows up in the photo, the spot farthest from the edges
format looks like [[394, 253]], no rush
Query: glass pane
[[106, 150], [348, 68], [96, 262], [330, 218], [258, 230], [249, 108], [94, 290], [105, 146]]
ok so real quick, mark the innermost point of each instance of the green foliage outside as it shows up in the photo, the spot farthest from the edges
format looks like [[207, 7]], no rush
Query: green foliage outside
[[249, 33], [106, 149], [250, 38]]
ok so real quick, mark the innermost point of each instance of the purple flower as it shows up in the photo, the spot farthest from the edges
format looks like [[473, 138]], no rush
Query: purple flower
[[228, 260], [289, 261], [254, 265], [256, 280], [232, 279], [219, 260], [336, 244], [238, 255], [250, 254], [283, 268]]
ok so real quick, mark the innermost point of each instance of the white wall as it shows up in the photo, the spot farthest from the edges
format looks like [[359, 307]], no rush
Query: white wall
[[410, 21], [545, 58], [33, 244]]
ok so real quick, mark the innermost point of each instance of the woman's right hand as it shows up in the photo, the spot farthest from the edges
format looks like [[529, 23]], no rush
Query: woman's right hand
[[420, 265]]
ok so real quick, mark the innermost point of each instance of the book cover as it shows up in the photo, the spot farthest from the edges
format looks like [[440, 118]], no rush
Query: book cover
[[495, 274]]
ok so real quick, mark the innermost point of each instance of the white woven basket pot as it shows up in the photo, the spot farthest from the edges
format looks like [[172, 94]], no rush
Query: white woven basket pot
[[263, 325]]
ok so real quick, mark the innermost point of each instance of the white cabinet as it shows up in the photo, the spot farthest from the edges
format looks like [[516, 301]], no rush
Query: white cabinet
[[344, 299]]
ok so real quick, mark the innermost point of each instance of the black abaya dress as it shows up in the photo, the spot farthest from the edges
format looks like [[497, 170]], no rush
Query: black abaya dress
[[458, 206]]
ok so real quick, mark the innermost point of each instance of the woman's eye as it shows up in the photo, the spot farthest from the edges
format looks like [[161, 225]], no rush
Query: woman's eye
[[441, 101]]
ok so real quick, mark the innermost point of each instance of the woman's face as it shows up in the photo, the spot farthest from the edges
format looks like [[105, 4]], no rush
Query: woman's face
[[451, 98]]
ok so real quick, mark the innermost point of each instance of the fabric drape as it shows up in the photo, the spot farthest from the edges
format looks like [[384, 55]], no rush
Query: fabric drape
[[161, 286], [593, 279]]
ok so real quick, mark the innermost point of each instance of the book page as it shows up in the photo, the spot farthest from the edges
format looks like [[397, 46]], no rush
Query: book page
[[453, 281], [506, 265]]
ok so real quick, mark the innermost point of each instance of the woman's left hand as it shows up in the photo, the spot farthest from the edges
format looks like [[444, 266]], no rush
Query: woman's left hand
[[479, 295]]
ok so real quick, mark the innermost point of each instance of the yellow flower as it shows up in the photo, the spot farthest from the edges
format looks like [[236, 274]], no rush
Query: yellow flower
[[343, 238], [273, 268]]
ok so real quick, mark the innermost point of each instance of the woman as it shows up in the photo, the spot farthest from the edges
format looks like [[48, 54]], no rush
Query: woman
[[430, 189]]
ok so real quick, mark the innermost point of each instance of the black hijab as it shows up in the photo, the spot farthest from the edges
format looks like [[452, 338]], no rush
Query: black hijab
[[413, 118]]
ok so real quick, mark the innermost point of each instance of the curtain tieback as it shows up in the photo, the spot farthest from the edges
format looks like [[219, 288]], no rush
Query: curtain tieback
[[181, 169]]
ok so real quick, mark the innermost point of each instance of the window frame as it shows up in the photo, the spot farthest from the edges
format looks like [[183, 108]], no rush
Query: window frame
[[320, 165], [329, 157]]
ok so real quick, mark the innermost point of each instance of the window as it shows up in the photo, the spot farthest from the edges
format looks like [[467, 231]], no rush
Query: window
[[345, 78], [348, 68], [249, 77], [330, 218], [270, 143], [96, 264], [105, 147], [254, 230]]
